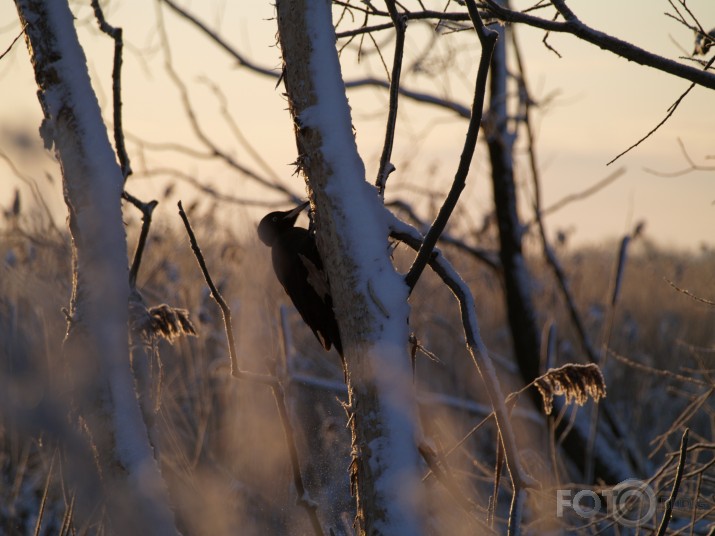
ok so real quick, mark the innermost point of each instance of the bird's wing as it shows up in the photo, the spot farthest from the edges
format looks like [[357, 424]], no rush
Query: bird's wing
[[316, 277], [300, 270]]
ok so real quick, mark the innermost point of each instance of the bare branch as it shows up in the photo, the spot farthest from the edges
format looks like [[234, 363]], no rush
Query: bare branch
[[193, 119], [8, 49], [270, 380], [240, 138], [215, 294], [364, 30], [146, 209], [386, 166], [213, 192], [689, 294], [477, 349], [490, 258], [671, 110], [583, 194], [116, 34], [656, 372], [693, 165], [242, 60], [487, 38], [676, 485], [574, 26], [417, 96]]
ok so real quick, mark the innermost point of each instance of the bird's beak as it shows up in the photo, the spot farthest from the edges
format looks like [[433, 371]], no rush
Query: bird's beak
[[296, 211]]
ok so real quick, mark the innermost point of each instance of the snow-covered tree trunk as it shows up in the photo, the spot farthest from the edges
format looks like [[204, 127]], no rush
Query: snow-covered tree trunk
[[96, 348], [370, 298]]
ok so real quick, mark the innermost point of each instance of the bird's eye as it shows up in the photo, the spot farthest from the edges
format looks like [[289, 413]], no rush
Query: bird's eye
[[274, 219]]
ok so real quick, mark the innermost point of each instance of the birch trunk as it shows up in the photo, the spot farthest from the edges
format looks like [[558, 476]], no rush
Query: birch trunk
[[370, 298], [96, 349]]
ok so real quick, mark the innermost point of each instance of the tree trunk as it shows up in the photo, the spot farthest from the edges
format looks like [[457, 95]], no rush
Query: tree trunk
[[96, 347], [521, 313], [370, 298], [525, 333]]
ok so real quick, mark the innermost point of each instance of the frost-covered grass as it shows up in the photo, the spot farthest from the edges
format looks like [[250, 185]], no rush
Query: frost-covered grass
[[220, 443]]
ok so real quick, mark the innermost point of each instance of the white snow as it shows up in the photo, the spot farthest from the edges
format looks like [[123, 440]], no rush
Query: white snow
[[95, 183]]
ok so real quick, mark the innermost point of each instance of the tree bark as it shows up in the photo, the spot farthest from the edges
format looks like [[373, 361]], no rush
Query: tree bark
[[96, 348], [370, 298], [521, 312], [526, 337]]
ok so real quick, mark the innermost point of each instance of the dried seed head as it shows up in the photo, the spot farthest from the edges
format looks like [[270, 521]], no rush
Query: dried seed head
[[160, 322], [170, 322], [576, 382]]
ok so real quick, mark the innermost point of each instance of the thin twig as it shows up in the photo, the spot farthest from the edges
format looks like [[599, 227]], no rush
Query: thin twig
[[574, 26], [546, 36], [671, 111], [304, 500], [116, 34], [146, 209], [655, 371], [676, 485], [689, 294], [43, 502], [364, 30], [242, 60], [583, 194], [439, 468], [215, 294], [487, 38], [697, 401], [212, 192], [477, 349], [7, 51], [488, 257], [194, 121], [417, 96], [386, 166], [270, 380], [240, 137], [688, 159]]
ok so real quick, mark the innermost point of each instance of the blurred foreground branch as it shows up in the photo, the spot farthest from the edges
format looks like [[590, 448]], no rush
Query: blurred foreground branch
[[271, 381]]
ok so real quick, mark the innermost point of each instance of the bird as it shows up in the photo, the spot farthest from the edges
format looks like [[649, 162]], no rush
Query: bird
[[299, 269]]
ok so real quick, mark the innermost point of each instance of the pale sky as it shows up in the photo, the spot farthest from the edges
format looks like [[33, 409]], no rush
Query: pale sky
[[601, 104]]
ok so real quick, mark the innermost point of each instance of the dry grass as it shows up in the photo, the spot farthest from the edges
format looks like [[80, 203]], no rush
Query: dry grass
[[220, 443]]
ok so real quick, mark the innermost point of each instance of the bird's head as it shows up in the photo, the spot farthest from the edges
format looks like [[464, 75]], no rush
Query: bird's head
[[275, 223]]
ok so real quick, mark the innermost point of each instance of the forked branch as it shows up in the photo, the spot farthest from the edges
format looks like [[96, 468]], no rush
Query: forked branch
[[478, 350]]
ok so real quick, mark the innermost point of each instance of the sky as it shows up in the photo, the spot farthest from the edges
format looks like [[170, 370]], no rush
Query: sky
[[593, 106]]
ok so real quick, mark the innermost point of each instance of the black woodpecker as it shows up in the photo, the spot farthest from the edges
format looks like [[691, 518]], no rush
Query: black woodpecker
[[299, 269]]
